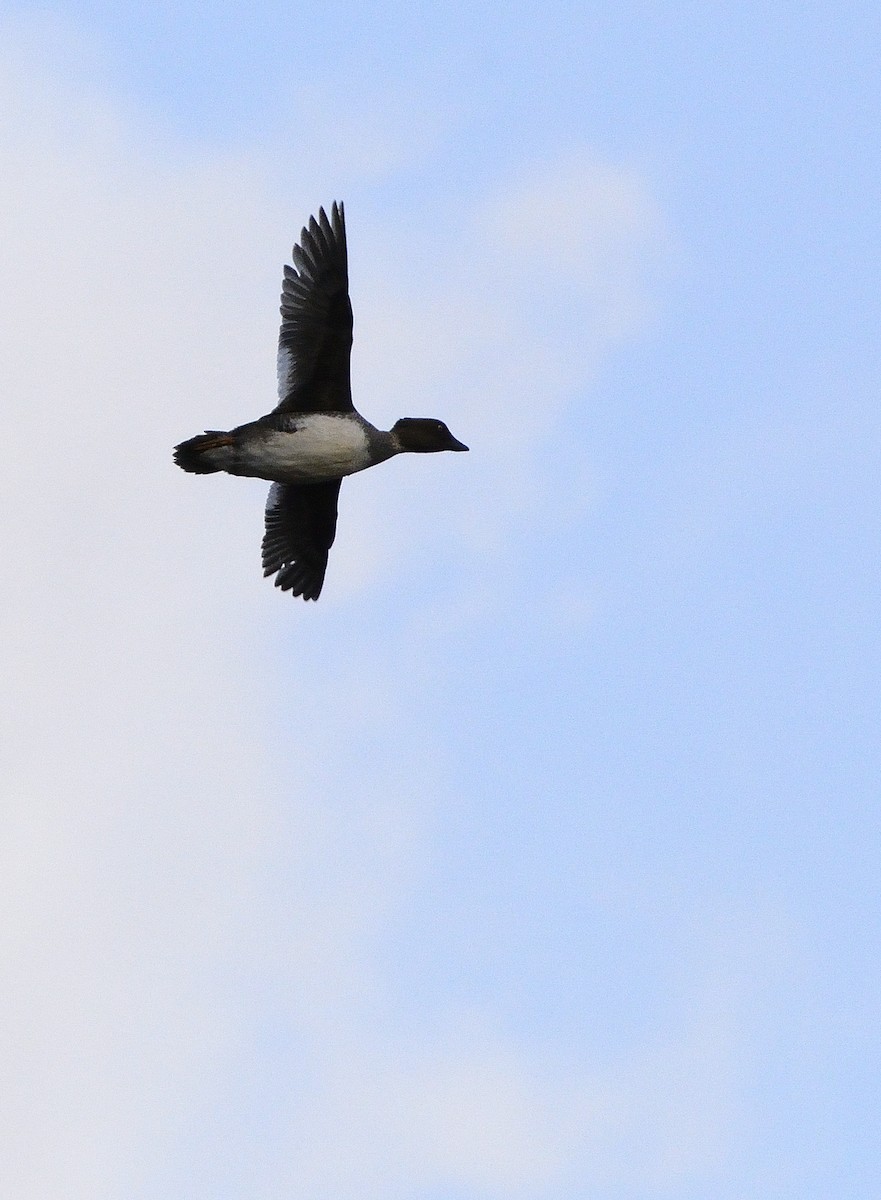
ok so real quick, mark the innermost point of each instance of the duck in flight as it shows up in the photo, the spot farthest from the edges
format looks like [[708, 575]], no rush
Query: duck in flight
[[314, 436]]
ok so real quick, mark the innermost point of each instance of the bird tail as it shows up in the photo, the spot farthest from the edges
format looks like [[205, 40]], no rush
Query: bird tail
[[193, 454]]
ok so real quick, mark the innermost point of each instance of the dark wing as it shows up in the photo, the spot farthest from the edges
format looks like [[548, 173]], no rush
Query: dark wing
[[315, 340], [300, 528]]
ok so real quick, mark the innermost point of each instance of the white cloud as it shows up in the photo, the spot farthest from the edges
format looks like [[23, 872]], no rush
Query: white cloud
[[576, 218], [165, 876], [504, 330]]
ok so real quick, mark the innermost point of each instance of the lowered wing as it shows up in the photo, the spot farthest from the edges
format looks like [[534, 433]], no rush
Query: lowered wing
[[300, 528]]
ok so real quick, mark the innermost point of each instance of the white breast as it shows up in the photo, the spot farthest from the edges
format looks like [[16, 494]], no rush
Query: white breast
[[323, 446]]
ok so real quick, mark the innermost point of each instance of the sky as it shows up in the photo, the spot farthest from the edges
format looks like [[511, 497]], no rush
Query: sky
[[539, 860]]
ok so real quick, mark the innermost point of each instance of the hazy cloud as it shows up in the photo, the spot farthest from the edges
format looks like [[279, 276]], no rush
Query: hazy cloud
[[174, 882]]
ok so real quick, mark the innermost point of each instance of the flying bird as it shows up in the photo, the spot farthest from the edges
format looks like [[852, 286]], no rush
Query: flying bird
[[313, 437]]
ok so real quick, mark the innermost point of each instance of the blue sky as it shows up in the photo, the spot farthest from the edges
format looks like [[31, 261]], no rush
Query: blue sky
[[540, 858]]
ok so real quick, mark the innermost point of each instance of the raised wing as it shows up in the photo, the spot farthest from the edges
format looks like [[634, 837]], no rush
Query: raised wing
[[300, 528], [315, 340]]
